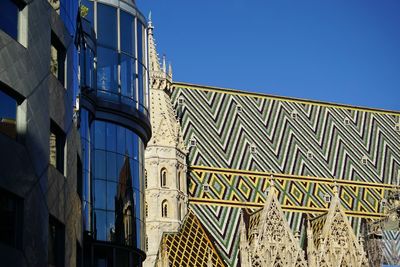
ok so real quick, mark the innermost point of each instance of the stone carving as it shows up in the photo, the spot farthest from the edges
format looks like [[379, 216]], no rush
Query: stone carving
[[331, 240], [166, 148], [270, 241]]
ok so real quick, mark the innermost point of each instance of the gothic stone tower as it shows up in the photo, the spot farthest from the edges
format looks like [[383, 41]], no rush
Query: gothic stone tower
[[165, 157]]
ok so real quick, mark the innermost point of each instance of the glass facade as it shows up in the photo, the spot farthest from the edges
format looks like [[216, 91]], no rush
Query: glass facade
[[113, 69], [117, 184], [9, 18], [8, 107], [87, 148], [121, 73]]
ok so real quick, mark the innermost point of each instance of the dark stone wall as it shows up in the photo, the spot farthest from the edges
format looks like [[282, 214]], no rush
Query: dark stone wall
[[24, 162]]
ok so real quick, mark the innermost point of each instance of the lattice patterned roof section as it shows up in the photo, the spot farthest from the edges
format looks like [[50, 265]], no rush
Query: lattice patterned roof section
[[191, 246], [317, 224]]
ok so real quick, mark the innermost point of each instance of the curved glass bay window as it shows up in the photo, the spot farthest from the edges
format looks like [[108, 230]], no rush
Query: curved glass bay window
[[117, 184], [115, 127], [122, 74]]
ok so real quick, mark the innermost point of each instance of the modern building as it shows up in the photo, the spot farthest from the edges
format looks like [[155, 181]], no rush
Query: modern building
[[115, 128], [334, 171], [40, 157], [106, 161], [74, 125]]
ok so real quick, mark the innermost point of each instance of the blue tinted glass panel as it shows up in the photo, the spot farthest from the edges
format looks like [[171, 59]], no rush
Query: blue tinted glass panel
[[127, 33], [135, 174], [111, 194], [101, 221], [111, 166], [107, 69], [142, 85], [128, 75], [121, 140], [110, 228], [8, 106], [107, 25], [68, 12], [140, 41], [139, 227], [111, 137], [141, 151], [89, 15], [100, 194], [9, 18], [129, 143], [87, 68], [100, 135], [120, 163], [100, 164]]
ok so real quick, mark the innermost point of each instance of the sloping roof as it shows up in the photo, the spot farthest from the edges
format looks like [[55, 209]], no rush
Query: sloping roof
[[306, 143], [191, 246]]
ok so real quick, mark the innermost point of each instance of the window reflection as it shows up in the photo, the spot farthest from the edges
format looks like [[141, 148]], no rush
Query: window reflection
[[9, 18], [107, 26], [139, 41], [117, 182], [87, 67], [89, 5], [141, 80], [107, 70], [100, 138], [131, 86], [8, 114], [128, 29], [128, 74]]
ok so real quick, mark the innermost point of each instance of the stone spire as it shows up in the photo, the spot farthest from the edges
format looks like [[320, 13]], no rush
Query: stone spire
[[270, 241], [331, 239], [160, 79], [165, 126], [165, 158]]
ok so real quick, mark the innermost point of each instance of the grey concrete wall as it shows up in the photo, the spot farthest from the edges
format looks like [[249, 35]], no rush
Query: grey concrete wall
[[24, 162]]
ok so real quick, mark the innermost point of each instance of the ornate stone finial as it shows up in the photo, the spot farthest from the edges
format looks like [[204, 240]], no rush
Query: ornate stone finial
[[150, 23], [170, 70], [335, 189], [272, 181], [164, 66]]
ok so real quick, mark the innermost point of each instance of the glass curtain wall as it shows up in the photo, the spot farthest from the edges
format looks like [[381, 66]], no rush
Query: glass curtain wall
[[117, 184], [115, 70], [87, 148], [122, 74]]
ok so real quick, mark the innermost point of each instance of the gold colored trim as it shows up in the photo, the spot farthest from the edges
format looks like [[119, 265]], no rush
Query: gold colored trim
[[267, 175], [242, 204], [283, 98]]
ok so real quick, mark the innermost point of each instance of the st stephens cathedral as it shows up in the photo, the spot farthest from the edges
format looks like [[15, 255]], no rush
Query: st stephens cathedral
[[235, 178]]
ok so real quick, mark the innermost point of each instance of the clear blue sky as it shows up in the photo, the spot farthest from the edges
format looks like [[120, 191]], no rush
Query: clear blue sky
[[344, 51]]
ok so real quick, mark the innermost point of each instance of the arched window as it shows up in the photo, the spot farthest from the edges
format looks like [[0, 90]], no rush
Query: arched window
[[178, 181], [164, 209], [147, 209], [145, 178], [163, 177]]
